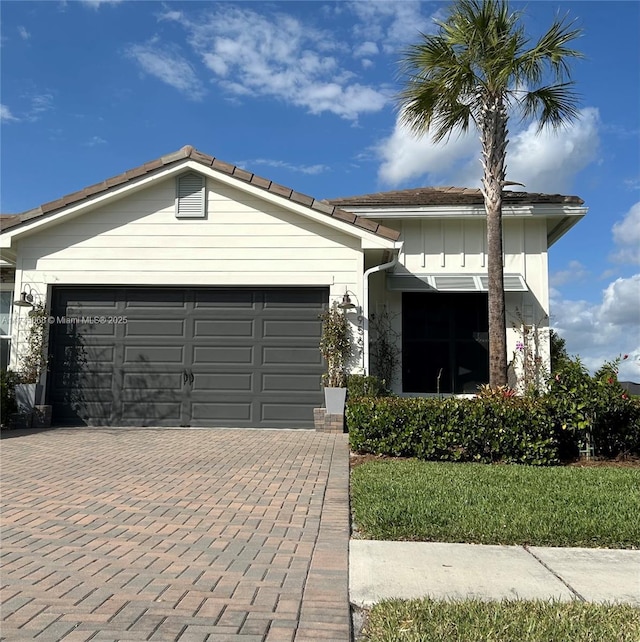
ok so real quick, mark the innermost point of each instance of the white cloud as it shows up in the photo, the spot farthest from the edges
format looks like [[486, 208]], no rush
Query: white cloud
[[407, 157], [6, 116], [603, 331], [548, 161], [250, 54], [94, 141], [302, 169], [23, 33], [367, 48], [40, 103], [545, 162], [626, 234], [96, 4], [392, 24], [574, 272], [168, 66]]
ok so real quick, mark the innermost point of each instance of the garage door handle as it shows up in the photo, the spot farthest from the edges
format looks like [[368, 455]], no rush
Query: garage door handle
[[191, 377], [185, 377]]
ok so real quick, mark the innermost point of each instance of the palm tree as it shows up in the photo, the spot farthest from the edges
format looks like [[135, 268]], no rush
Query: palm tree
[[477, 69]]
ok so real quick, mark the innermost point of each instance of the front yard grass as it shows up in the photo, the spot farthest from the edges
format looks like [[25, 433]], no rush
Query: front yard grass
[[474, 621], [497, 504]]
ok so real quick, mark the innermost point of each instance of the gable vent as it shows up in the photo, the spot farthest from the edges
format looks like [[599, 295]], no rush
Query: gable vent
[[190, 196]]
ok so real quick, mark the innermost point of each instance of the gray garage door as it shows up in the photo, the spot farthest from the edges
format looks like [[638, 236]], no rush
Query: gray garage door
[[185, 357]]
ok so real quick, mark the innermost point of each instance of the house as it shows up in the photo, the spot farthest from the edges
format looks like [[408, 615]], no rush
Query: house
[[187, 291]]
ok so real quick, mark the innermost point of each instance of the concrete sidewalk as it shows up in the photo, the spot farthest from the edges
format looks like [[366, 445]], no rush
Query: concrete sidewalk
[[381, 570]]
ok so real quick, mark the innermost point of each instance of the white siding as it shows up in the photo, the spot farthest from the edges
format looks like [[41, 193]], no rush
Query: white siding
[[137, 240]]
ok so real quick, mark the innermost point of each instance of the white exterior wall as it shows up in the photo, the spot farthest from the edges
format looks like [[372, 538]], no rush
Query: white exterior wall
[[458, 246], [137, 240]]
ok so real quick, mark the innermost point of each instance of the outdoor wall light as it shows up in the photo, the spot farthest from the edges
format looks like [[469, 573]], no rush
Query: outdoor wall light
[[25, 300], [27, 297], [346, 302]]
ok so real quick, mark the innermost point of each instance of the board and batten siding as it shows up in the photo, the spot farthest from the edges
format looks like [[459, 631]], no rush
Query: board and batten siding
[[244, 241], [458, 246]]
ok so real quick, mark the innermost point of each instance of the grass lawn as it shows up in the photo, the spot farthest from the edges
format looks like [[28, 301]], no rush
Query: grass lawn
[[474, 621], [497, 504]]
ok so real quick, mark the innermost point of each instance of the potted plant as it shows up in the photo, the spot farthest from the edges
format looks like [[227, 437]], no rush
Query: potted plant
[[32, 361], [336, 348]]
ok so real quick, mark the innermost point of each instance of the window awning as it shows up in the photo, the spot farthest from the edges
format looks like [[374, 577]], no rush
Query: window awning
[[451, 282]]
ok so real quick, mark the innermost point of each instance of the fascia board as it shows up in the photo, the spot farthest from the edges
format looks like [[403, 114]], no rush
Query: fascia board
[[469, 211]]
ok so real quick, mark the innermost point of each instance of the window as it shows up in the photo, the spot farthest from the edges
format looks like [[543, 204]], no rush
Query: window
[[6, 305], [191, 196], [445, 342]]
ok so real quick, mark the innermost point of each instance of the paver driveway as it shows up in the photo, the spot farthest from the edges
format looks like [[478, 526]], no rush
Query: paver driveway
[[127, 534]]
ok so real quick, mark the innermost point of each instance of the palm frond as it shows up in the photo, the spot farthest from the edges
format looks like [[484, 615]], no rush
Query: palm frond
[[553, 105], [550, 52]]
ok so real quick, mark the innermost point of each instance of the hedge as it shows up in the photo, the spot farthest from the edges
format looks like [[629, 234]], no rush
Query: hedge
[[506, 429]]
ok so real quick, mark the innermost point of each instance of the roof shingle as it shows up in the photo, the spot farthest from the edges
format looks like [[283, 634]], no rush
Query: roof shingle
[[426, 196]]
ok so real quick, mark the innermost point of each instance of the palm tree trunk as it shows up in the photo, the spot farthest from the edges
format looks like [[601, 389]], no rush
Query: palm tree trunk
[[493, 131]]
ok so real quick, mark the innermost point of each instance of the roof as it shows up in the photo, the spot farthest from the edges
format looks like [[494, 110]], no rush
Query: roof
[[190, 153], [425, 196]]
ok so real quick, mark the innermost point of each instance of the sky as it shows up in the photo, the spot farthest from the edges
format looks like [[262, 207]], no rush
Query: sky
[[304, 93]]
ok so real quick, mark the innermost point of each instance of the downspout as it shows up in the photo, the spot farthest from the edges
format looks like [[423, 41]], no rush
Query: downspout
[[365, 306]]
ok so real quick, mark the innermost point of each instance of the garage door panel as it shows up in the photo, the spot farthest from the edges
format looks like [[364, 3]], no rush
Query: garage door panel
[[159, 299], [71, 383], [224, 328], [155, 328], [294, 328], [90, 298], [157, 355], [151, 413], [92, 413], [231, 382], [97, 330], [289, 382], [221, 412], [137, 384], [69, 355], [224, 299], [287, 355], [230, 355], [285, 413]]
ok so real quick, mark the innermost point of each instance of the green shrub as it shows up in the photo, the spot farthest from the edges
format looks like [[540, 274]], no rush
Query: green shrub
[[8, 381], [366, 386], [593, 407]]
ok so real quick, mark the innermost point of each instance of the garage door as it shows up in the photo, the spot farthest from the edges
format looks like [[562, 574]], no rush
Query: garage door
[[186, 357]]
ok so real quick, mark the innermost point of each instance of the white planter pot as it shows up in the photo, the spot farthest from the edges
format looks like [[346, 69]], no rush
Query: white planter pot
[[335, 400], [28, 396]]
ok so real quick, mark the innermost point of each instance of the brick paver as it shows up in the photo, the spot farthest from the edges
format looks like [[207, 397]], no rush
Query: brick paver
[[174, 535]]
